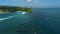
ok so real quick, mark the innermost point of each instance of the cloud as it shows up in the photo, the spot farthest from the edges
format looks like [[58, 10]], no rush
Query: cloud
[[22, 0], [28, 0]]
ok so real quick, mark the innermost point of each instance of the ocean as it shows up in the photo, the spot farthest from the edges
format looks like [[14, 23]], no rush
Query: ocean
[[39, 21]]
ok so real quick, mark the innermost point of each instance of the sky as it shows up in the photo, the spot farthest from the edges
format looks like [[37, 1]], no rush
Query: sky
[[31, 3]]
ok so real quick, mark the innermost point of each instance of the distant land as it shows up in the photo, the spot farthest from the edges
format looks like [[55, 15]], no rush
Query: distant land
[[15, 8]]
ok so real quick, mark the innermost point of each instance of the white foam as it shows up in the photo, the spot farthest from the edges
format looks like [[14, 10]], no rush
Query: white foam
[[23, 13], [6, 18]]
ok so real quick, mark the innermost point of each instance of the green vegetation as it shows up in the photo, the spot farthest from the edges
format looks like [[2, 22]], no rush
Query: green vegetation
[[13, 8]]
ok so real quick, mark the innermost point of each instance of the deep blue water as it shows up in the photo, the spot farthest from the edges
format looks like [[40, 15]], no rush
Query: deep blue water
[[47, 20], [40, 20]]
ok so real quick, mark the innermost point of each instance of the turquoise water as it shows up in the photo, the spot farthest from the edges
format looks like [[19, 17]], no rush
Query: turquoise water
[[39, 21], [15, 23]]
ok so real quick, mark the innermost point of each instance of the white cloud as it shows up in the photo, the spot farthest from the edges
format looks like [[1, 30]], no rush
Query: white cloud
[[28, 0], [22, 0]]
